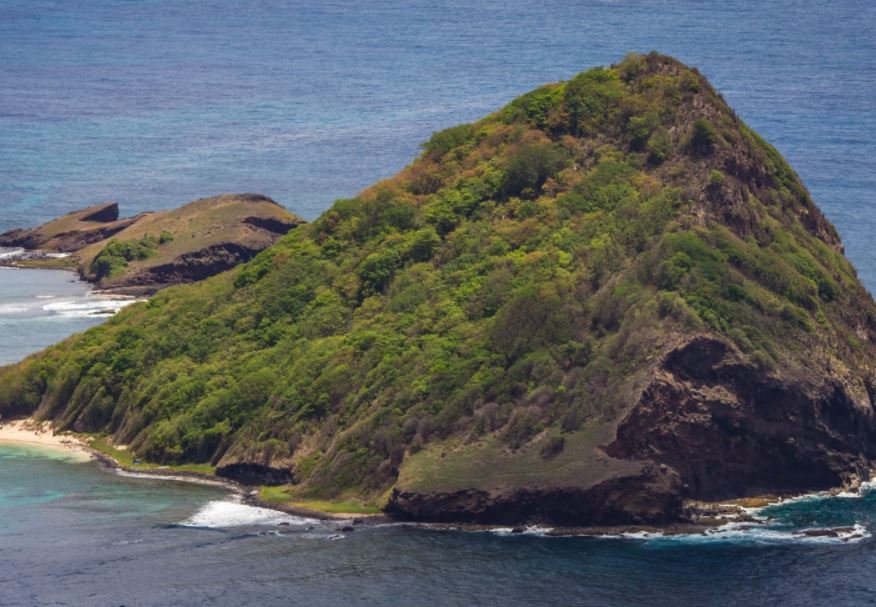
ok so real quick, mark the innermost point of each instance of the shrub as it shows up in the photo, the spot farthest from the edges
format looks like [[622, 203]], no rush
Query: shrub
[[535, 106], [422, 244], [716, 180], [639, 129], [703, 138], [603, 189], [115, 256], [376, 271], [531, 319], [444, 141], [524, 424], [659, 146], [589, 96], [530, 167], [553, 446]]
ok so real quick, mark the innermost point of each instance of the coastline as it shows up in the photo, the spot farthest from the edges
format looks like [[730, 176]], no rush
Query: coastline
[[28, 431], [704, 518]]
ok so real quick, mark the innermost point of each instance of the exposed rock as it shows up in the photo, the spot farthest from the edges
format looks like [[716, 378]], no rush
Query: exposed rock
[[255, 474], [651, 498], [271, 224], [104, 214], [603, 300], [206, 237], [730, 429], [194, 266], [71, 232]]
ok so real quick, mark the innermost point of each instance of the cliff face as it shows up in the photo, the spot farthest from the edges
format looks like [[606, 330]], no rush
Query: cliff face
[[607, 297], [154, 250]]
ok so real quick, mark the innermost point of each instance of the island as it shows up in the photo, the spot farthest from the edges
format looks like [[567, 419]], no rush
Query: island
[[601, 302], [147, 252]]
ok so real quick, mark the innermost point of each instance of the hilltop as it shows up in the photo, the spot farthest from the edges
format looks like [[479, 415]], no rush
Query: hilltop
[[152, 250], [606, 298]]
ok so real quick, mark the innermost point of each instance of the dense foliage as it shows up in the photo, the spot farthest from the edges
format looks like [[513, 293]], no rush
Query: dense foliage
[[515, 282], [118, 253]]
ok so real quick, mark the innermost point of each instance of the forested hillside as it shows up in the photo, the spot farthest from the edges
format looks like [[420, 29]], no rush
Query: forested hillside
[[605, 297]]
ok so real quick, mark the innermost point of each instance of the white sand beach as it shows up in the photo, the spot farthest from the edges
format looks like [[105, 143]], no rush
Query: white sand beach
[[32, 432]]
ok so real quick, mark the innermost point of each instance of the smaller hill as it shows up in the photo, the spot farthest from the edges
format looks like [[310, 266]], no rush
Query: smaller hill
[[149, 251]]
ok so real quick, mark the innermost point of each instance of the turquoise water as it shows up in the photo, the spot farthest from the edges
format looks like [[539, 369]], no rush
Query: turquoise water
[[72, 533], [155, 103]]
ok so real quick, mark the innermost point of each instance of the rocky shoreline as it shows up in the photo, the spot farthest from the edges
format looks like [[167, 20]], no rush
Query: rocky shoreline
[[249, 494], [700, 518]]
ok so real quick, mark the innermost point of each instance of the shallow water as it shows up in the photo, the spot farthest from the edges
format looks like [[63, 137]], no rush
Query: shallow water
[[41, 307]]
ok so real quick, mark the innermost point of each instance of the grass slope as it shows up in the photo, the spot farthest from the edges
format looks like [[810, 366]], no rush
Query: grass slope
[[161, 238]]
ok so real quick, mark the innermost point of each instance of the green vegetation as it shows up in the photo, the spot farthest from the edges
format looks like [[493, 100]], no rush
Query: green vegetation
[[128, 460], [530, 167], [114, 258], [703, 138], [505, 294], [286, 495]]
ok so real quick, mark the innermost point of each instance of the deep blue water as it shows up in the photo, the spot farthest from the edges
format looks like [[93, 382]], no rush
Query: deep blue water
[[154, 103], [74, 534]]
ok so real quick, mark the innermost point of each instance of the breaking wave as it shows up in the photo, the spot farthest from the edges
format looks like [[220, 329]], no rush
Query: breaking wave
[[758, 534], [88, 307], [10, 253], [221, 514]]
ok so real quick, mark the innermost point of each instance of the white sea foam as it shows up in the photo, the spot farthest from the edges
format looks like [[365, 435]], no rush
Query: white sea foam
[[155, 476], [220, 514], [16, 308], [9, 253], [528, 530], [50, 306], [759, 534], [863, 489], [78, 308], [18, 252]]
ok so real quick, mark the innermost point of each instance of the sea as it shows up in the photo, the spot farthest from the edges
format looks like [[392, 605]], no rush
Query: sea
[[153, 103]]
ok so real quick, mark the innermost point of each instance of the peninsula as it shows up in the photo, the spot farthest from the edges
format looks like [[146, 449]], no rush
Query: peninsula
[[147, 252]]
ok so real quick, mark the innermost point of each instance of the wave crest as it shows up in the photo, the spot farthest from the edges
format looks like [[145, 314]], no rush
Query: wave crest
[[221, 514]]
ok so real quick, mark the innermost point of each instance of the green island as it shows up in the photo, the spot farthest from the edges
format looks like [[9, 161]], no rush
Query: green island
[[604, 299]]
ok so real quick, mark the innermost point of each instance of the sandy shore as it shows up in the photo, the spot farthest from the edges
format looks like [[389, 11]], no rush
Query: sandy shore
[[40, 434]]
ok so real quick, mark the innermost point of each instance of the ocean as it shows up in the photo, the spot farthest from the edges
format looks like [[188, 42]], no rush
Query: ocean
[[72, 533], [155, 103], [41, 307]]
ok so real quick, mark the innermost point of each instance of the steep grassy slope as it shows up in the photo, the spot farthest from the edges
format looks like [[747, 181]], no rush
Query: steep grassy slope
[[606, 297]]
